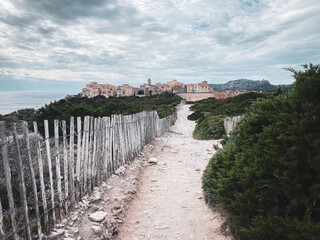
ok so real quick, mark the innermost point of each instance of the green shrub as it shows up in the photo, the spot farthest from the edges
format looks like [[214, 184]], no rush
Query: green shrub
[[233, 106], [99, 106], [209, 128], [268, 175]]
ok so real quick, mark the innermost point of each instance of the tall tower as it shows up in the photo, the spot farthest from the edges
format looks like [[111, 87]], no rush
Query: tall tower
[[149, 81]]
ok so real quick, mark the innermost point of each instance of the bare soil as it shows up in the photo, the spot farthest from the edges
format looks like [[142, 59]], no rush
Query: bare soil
[[153, 201], [169, 203]]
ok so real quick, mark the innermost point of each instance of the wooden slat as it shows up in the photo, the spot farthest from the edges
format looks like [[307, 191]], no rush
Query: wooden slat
[[65, 165], [58, 170], [98, 156], [71, 162], [104, 150], [83, 148], [40, 165], [1, 220], [47, 136], [90, 154], [94, 163], [32, 176], [7, 172], [86, 156], [22, 186], [108, 147], [78, 157]]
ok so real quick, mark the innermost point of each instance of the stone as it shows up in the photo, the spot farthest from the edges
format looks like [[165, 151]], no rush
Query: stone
[[74, 230], [153, 160], [117, 212], [68, 238], [97, 230], [97, 195], [56, 235], [86, 203], [164, 227], [120, 170], [97, 216], [198, 169]]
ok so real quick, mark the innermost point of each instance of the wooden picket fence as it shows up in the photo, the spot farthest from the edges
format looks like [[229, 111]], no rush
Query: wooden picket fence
[[52, 174]]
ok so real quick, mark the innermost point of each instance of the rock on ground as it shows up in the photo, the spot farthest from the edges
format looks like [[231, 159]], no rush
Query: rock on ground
[[98, 216]]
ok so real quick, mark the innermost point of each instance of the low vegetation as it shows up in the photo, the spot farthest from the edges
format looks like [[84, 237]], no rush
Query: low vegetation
[[209, 113], [98, 106], [267, 176], [210, 128]]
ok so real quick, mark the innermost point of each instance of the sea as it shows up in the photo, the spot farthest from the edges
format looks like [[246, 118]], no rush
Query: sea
[[13, 101]]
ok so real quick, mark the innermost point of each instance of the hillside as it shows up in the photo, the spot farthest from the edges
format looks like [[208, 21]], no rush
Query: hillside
[[210, 112], [246, 84]]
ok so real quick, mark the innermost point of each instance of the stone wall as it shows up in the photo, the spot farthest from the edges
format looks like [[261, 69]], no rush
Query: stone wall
[[195, 96]]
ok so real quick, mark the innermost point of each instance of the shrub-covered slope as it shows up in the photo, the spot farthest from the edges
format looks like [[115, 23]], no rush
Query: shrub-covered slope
[[99, 106], [268, 173], [210, 112], [210, 128]]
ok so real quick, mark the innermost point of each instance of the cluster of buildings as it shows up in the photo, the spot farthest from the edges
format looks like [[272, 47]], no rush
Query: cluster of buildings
[[94, 89]]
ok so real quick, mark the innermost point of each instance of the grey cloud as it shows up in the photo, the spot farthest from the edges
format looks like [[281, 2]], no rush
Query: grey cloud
[[46, 30], [21, 22], [131, 40]]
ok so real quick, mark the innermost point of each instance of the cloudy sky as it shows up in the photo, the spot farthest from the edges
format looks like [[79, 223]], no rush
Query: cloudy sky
[[51, 44]]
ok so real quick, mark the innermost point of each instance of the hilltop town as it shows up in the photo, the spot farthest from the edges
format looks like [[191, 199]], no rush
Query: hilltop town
[[94, 89]]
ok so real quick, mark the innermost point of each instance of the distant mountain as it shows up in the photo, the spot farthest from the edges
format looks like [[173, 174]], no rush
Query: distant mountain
[[246, 84]]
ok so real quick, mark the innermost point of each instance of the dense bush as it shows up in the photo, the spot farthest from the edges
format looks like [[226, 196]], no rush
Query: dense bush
[[268, 173], [210, 128], [233, 106]]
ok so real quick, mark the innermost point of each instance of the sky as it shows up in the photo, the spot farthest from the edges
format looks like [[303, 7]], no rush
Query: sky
[[64, 44]]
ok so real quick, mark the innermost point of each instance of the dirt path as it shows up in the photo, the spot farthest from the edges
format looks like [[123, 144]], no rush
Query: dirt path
[[169, 203]]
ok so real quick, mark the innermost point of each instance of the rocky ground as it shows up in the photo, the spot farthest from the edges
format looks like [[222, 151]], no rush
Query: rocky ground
[[158, 196]]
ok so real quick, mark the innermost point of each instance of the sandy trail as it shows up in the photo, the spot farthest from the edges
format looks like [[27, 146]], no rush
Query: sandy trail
[[169, 203]]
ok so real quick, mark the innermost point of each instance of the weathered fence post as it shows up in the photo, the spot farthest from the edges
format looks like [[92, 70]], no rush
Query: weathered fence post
[[86, 144], [90, 154], [40, 165], [104, 148], [71, 162], [47, 136], [113, 149], [108, 146], [32, 176], [22, 185], [98, 153], [94, 153], [58, 170], [83, 156], [78, 186], [65, 165], [7, 172], [1, 220]]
